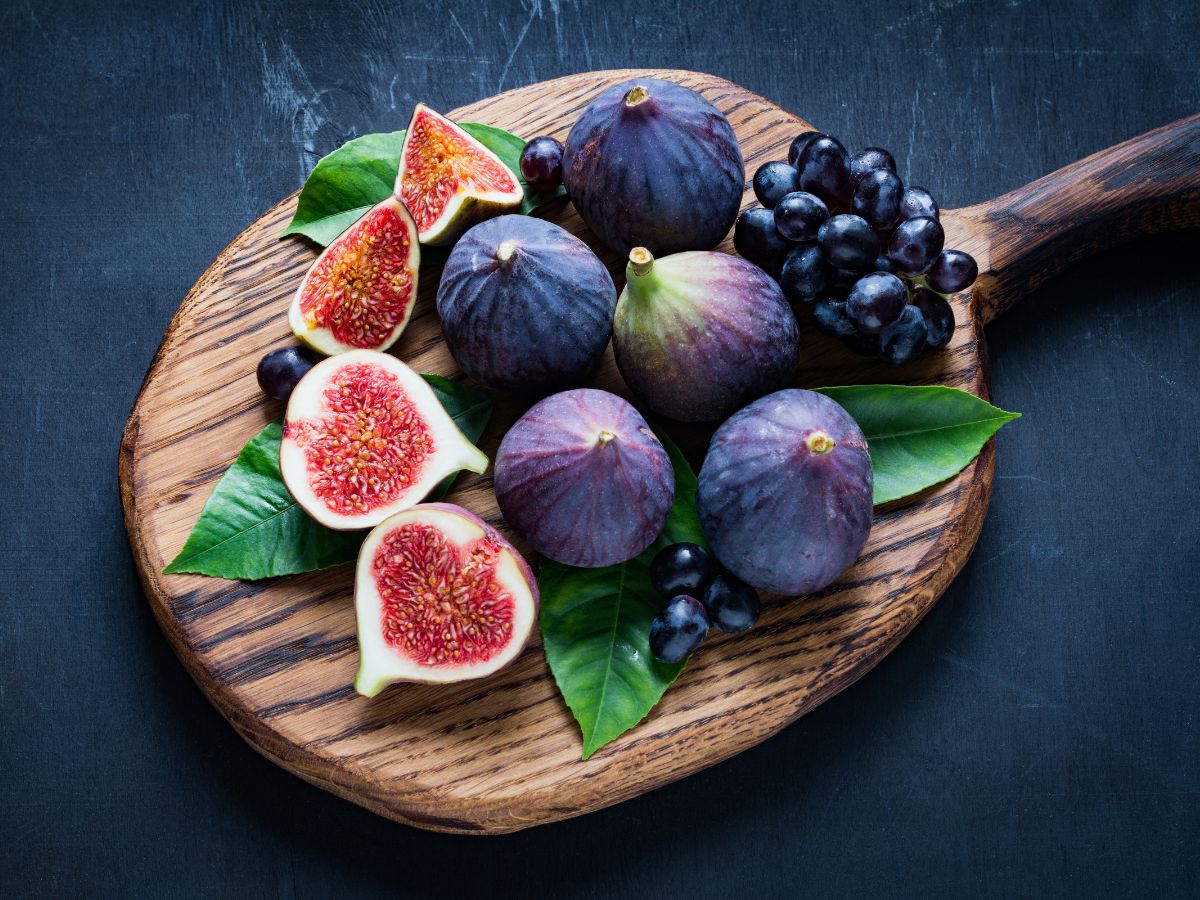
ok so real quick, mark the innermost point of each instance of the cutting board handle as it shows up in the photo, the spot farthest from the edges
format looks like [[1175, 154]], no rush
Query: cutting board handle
[[1147, 185]]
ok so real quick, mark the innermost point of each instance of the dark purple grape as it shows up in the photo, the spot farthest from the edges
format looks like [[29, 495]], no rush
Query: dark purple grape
[[681, 569], [866, 344], [755, 238], [732, 604], [883, 264], [845, 277], [541, 164], [869, 160], [801, 141], [918, 203], [799, 216], [829, 315], [280, 370], [805, 274], [904, 338], [877, 199], [915, 244], [848, 242], [939, 317], [876, 302], [773, 181], [952, 271], [678, 630], [824, 168]]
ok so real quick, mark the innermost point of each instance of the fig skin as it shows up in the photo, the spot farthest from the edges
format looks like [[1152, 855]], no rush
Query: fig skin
[[526, 307], [653, 164], [584, 480], [784, 494], [699, 334]]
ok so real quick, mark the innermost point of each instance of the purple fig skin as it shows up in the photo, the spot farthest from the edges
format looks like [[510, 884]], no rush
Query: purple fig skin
[[653, 164], [700, 334], [784, 494], [583, 479], [526, 306]]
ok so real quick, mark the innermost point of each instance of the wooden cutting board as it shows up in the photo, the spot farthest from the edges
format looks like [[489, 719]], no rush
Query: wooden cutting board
[[278, 657]]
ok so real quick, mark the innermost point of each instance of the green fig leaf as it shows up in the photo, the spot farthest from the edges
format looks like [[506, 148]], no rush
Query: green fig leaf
[[596, 627], [918, 436], [251, 528], [350, 180]]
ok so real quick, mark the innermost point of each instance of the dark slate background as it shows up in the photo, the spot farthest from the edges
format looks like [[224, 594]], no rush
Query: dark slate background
[[1036, 735]]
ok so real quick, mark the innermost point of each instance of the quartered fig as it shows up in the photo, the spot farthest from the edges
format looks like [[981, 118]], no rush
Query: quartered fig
[[449, 180], [365, 437], [360, 292]]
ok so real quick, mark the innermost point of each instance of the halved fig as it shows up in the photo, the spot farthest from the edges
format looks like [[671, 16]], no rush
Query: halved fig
[[365, 437], [448, 180], [360, 292], [440, 597]]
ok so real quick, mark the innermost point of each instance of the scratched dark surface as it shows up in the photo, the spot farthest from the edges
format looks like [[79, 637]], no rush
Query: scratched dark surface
[[1039, 733]]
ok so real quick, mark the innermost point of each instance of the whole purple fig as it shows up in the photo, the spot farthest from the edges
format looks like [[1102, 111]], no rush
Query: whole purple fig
[[583, 479], [784, 494], [699, 334], [653, 164]]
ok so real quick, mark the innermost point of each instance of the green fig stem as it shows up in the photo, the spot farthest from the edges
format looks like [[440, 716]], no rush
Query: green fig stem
[[641, 261], [819, 442], [637, 95]]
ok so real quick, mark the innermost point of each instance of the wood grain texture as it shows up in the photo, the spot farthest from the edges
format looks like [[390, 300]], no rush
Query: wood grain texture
[[278, 658]]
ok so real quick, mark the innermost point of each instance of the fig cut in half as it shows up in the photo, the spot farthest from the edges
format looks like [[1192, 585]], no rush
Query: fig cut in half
[[440, 597], [365, 437], [448, 180], [360, 292]]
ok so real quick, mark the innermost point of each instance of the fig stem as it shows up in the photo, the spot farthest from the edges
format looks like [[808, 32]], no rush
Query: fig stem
[[636, 95], [604, 438], [505, 251], [641, 261], [819, 442]]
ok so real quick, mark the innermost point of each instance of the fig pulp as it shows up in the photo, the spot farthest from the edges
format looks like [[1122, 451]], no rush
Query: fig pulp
[[365, 437], [440, 597], [699, 334], [784, 494], [653, 164], [526, 307], [449, 180], [360, 292], [584, 480]]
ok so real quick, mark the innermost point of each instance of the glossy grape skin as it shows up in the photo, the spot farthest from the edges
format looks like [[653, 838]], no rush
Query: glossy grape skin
[[802, 140], [280, 370], [541, 164], [773, 181], [805, 274], [800, 215], [829, 315], [939, 317], [918, 203], [678, 630], [732, 605], [904, 338], [682, 568], [883, 264], [824, 168], [952, 271], [877, 301], [848, 242], [756, 239], [870, 160], [915, 244], [877, 199]]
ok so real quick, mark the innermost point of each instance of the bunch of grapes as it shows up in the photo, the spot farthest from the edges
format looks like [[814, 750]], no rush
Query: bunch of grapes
[[842, 232]]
